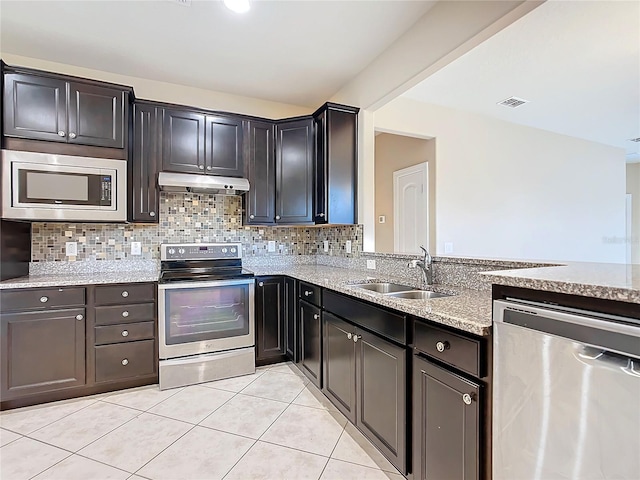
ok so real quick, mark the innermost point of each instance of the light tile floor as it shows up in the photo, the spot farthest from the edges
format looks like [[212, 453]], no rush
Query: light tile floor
[[270, 425]]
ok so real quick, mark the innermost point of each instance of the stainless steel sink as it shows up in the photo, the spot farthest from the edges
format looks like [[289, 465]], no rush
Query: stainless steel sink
[[384, 287], [418, 295]]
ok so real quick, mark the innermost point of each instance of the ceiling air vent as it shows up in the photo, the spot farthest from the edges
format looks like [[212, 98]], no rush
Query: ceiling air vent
[[513, 102], [184, 3], [637, 139]]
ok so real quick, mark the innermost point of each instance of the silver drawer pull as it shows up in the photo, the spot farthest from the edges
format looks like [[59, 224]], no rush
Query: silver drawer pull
[[201, 167], [277, 217], [208, 167], [307, 293], [125, 361], [356, 337], [316, 316], [321, 215], [125, 294], [61, 133], [125, 333], [125, 314], [467, 399], [79, 317], [349, 336], [44, 299], [442, 346], [72, 135], [152, 214], [261, 284], [252, 216]]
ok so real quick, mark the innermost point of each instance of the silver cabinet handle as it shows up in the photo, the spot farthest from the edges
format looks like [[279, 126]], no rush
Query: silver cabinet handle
[[277, 217], [349, 336], [208, 167], [61, 133], [125, 294], [152, 214], [307, 293], [124, 361], [261, 284], [125, 314], [356, 337], [125, 333], [201, 167], [79, 317], [44, 299], [467, 399], [442, 346], [321, 214], [252, 216], [316, 316], [72, 135]]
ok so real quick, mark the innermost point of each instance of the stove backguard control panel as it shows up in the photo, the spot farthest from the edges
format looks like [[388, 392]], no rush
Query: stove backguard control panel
[[200, 251]]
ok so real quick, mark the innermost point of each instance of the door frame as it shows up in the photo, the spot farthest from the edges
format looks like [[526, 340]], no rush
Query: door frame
[[418, 168]]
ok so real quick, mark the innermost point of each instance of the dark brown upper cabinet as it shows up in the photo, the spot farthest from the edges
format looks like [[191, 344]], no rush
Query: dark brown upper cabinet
[[260, 200], [64, 110], [336, 140], [194, 142], [294, 172], [144, 164], [183, 148]]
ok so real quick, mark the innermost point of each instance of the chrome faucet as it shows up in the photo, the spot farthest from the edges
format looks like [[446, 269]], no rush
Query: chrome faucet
[[425, 265]]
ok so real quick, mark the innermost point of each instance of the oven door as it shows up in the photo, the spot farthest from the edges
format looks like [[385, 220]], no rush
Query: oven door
[[205, 317]]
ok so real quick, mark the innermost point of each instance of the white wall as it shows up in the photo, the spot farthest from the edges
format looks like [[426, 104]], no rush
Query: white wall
[[169, 92], [633, 187], [509, 191]]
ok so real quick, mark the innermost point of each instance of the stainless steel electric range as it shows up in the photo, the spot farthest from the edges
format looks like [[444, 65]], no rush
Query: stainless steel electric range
[[205, 314]]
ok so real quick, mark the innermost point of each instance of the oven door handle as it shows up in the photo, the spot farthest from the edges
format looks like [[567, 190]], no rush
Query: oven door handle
[[195, 284]]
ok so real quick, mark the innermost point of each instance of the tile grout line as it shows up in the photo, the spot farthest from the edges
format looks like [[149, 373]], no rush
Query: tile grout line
[[333, 449]]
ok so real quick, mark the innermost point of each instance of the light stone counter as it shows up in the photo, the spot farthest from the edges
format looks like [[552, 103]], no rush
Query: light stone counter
[[62, 280]]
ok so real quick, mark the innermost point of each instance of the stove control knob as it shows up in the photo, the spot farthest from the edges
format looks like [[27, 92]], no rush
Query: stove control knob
[[181, 251], [224, 250], [172, 251]]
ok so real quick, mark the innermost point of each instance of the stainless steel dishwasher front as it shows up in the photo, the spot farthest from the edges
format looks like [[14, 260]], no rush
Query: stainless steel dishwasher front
[[566, 393]]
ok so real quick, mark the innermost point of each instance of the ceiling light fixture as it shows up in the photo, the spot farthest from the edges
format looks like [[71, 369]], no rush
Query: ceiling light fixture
[[238, 6]]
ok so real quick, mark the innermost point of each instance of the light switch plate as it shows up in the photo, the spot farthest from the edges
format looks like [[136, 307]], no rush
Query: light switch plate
[[371, 264], [448, 247], [136, 248], [71, 249], [271, 246], [347, 246], [326, 245]]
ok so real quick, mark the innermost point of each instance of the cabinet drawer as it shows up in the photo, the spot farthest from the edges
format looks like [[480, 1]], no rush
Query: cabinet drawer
[[29, 298], [388, 324], [125, 360], [458, 351], [125, 313], [311, 293], [127, 293], [127, 332]]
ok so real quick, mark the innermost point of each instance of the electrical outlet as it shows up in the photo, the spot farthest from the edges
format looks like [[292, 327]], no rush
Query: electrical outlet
[[71, 249], [271, 246], [136, 248], [325, 244], [281, 248], [371, 264], [347, 246], [448, 247]]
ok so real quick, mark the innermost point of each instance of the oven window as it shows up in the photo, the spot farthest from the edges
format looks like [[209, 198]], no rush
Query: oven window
[[64, 188], [208, 313]]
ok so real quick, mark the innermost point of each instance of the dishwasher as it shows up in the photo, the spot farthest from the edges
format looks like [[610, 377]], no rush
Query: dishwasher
[[566, 393]]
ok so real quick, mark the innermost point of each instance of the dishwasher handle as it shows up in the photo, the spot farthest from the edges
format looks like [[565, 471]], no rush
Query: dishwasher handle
[[596, 357]]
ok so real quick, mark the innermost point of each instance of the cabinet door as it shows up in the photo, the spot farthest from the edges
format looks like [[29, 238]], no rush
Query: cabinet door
[[270, 331], [144, 196], [446, 432], [224, 146], [319, 183], [97, 115], [339, 364], [42, 351], [183, 148], [382, 396], [260, 200], [290, 312], [35, 107], [311, 342], [294, 172]]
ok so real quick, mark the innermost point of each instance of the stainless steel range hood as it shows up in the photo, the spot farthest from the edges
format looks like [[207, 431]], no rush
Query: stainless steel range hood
[[185, 182]]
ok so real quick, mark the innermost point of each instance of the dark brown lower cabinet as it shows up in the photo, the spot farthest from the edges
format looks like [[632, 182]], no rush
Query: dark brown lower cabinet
[[339, 364], [446, 423], [311, 342], [270, 328], [290, 318], [42, 351]]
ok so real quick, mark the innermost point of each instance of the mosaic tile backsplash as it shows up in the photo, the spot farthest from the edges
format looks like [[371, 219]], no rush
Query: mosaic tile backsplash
[[188, 218]]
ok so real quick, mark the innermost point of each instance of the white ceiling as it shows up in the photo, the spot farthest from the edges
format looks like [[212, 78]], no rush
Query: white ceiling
[[577, 62], [297, 52]]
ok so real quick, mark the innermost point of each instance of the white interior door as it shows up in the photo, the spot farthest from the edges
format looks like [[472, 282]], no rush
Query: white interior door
[[410, 209]]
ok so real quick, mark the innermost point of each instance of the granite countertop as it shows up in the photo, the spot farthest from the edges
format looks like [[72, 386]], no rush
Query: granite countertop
[[60, 280], [609, 281], [467, 310]]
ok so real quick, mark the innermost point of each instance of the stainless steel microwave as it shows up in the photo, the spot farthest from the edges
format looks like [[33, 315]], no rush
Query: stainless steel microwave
[[41, 186]]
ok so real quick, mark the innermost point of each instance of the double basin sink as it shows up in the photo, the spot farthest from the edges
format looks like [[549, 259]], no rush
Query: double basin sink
[[401, 291]]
